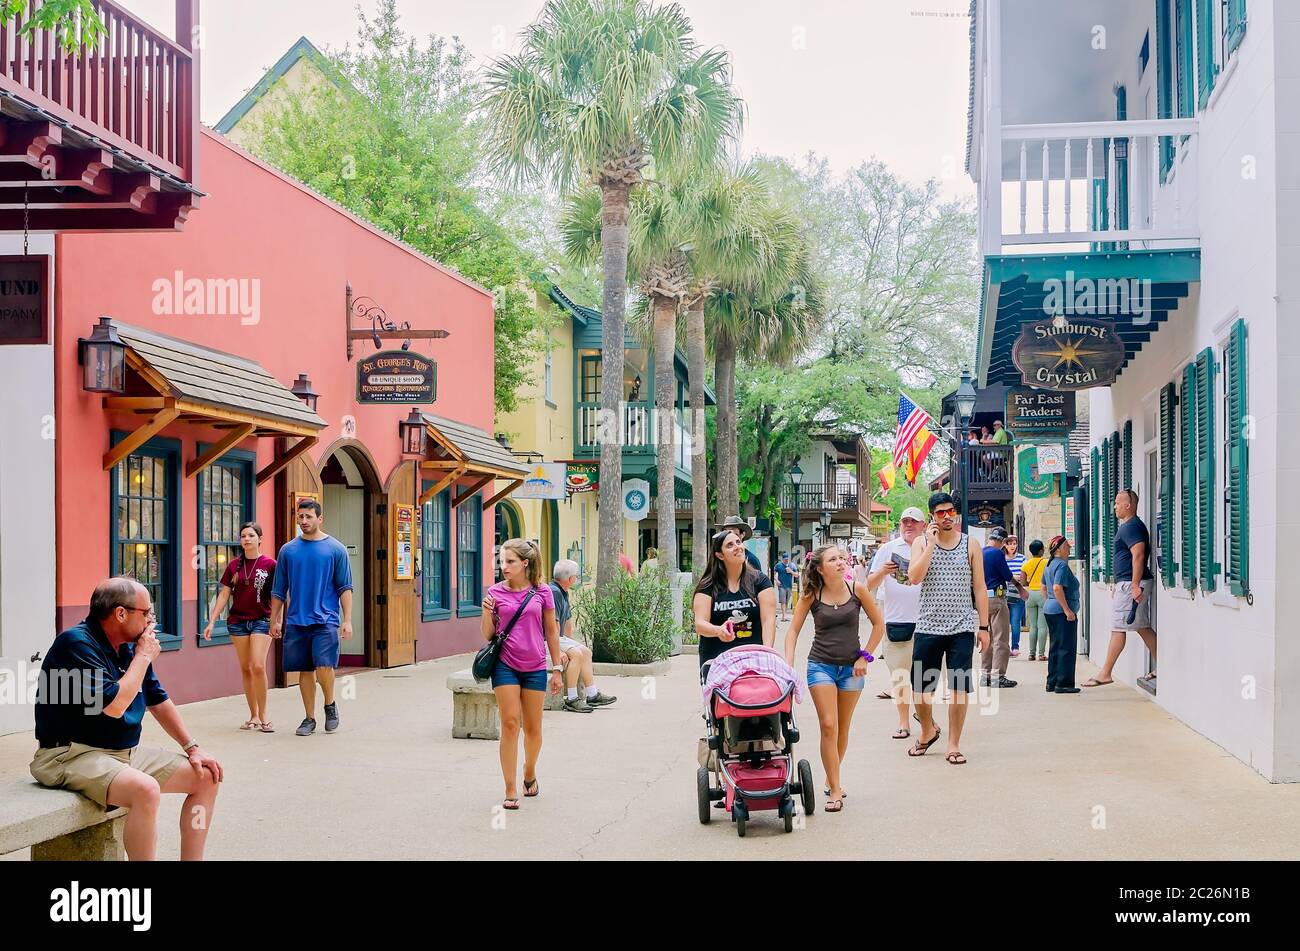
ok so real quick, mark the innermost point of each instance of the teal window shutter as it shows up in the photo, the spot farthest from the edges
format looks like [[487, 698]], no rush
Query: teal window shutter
[[1094, 480], [1206, 68], [1164, 89], [1234, 24], [1237, 475], [1184, 53], [1187, 446], [1168, 403], [1208, 570], [1128, 456], [1107, 507]]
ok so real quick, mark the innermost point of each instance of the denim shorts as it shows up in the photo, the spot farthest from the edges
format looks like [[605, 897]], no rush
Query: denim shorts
[[307, 648], [504, 675], [244, 628], [839, 675]]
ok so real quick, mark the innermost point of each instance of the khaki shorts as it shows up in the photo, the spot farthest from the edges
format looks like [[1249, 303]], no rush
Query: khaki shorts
[[90, 770], [898, 658], [1123, 600]]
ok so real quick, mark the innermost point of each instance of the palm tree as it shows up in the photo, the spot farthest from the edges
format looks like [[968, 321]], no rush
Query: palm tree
[[600, 90], [770, 319]]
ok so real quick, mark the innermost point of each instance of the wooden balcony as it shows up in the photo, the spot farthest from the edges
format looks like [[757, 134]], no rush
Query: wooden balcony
[[103, 139], [636, 434], [845, 502], [988, 472]]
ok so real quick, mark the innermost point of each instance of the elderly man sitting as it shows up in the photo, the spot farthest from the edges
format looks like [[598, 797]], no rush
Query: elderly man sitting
[[96, 684], [577, 656]]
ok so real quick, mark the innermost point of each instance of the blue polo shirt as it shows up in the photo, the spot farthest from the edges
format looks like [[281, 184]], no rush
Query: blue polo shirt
[[996, 571], [78, 680], [311, 576], [784, 574]]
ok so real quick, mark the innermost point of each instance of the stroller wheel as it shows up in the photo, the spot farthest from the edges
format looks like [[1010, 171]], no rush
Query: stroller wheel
[[787, 808], [702, 793], [740, 826], [807, 791]]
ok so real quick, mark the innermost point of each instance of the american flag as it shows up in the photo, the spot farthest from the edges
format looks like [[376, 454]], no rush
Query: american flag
[[913, 440]]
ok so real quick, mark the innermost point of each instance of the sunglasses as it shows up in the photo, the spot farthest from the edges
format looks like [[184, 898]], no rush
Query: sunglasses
[[945, 513]]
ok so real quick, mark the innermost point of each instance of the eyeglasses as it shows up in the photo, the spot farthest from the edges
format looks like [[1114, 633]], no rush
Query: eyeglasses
[[148, 613]]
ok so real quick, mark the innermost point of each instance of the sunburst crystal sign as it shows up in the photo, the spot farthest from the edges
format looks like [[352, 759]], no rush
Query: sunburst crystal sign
[[1078, 355]]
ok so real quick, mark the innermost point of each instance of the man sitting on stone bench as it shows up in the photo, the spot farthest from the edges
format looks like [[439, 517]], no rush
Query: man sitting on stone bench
[[96, 682], [578, 668]]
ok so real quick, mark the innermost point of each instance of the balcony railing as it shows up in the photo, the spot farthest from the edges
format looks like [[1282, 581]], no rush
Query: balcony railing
[[134, 89], [835, 496], [637, 433], [1098, 182], [988, 471]]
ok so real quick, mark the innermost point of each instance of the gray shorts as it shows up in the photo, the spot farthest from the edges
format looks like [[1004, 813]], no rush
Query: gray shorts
[[1123, 601]]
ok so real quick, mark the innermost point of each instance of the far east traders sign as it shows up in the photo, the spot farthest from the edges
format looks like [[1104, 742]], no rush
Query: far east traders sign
[[1083, 353], [396, 376]]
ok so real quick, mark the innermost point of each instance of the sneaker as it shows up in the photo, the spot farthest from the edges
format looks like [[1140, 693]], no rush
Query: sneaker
[[576, 706], [1004, 682], [1015, 652], [307, 727], [600, 700], [1067, 690], [984, 680], [331, 717]]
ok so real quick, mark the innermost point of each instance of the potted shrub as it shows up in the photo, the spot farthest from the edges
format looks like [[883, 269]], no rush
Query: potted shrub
[[629, 621]]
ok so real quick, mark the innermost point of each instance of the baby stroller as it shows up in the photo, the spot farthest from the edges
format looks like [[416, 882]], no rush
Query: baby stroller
[[750, 734]]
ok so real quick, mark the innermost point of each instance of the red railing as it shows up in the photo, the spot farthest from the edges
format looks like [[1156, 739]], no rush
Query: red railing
[[134, 89]]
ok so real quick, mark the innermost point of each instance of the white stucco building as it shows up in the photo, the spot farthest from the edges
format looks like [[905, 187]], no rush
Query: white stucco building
[[1155, 144]]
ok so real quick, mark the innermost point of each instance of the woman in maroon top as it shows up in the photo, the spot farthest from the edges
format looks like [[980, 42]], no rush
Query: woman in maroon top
[[246, 586]]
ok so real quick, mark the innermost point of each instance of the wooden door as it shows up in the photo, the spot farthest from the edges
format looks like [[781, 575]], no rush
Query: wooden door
[[402, 607]]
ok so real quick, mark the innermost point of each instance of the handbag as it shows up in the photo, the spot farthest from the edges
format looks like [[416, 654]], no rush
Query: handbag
[[486, 658]]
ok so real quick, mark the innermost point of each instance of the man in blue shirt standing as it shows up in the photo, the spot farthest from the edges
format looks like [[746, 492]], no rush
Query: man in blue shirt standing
[[96, 682], [999, 579], [784, 584], [313, 576]]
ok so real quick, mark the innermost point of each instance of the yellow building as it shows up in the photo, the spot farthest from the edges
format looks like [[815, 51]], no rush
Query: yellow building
[[540, 430]]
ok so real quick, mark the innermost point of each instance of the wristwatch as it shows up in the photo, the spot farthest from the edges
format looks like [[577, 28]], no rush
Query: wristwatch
[[192, 744], [984, 627], [557, 669]]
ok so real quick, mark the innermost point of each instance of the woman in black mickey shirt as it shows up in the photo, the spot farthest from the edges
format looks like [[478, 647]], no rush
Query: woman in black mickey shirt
[[734, 605]]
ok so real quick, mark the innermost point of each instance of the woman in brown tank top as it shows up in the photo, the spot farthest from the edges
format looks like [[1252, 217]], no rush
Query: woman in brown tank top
[[837, 664]]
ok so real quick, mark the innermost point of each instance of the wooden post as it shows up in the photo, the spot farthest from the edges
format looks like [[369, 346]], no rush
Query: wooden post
[[187, 38]]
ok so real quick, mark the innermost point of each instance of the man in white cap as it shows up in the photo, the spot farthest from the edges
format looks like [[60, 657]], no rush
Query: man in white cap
[[902, 601]]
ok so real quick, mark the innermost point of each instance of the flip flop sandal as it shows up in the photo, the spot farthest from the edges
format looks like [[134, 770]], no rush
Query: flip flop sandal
[[251, 725], [835, 805], [924, 747], [510, 804], [1094, 682], [884, 696], [536, 790], [901, 734], [827, 791], [267, 727], [955, 758]]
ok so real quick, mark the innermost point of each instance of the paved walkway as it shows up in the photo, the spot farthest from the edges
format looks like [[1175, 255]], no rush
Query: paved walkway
[[1102, 775]]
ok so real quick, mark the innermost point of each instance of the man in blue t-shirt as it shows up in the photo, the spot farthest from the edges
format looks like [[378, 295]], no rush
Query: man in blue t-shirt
[[1135, 590], [999, 579], [313, 577], [784, 584]]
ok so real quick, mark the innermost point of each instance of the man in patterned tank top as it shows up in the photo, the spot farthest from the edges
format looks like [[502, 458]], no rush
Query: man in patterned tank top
[[950, 571]]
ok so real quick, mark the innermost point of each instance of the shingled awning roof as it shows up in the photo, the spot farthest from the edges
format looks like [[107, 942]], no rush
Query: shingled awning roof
[[203, 386], [463, 450]]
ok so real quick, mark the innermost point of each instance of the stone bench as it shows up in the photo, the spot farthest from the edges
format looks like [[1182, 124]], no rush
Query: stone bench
[[57, 824], [474, 707]]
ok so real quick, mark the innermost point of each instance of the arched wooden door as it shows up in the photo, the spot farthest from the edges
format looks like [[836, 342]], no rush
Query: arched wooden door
[[402, 598]]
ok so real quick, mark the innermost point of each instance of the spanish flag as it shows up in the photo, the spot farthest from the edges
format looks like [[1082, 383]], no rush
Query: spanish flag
[[886, 476]]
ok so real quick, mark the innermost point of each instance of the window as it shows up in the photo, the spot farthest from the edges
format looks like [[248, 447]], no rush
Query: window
[[435, 577], [550, 391], [469, 556], [590, 378], [1234, 25], [144, 506], [1168, 465], [1164, 89], [1205, 373], [1184, 54], [225, 491], [1206, 66]]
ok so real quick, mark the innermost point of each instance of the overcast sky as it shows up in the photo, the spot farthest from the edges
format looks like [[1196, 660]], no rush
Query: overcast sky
[[848, 79]]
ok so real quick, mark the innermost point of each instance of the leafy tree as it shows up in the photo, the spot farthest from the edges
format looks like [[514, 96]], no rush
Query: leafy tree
[[600, 91], [76, 23], [396, 140]]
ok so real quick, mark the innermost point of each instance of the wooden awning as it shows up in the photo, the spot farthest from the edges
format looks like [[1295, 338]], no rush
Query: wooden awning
[[458, 450], [173, 380]]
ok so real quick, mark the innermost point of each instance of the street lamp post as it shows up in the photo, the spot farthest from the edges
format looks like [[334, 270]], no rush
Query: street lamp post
[[796, 476], [825, 519], [965, 410]]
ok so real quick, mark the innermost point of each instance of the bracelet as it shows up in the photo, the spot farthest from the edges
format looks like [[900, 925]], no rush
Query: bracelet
[[866, 655]]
